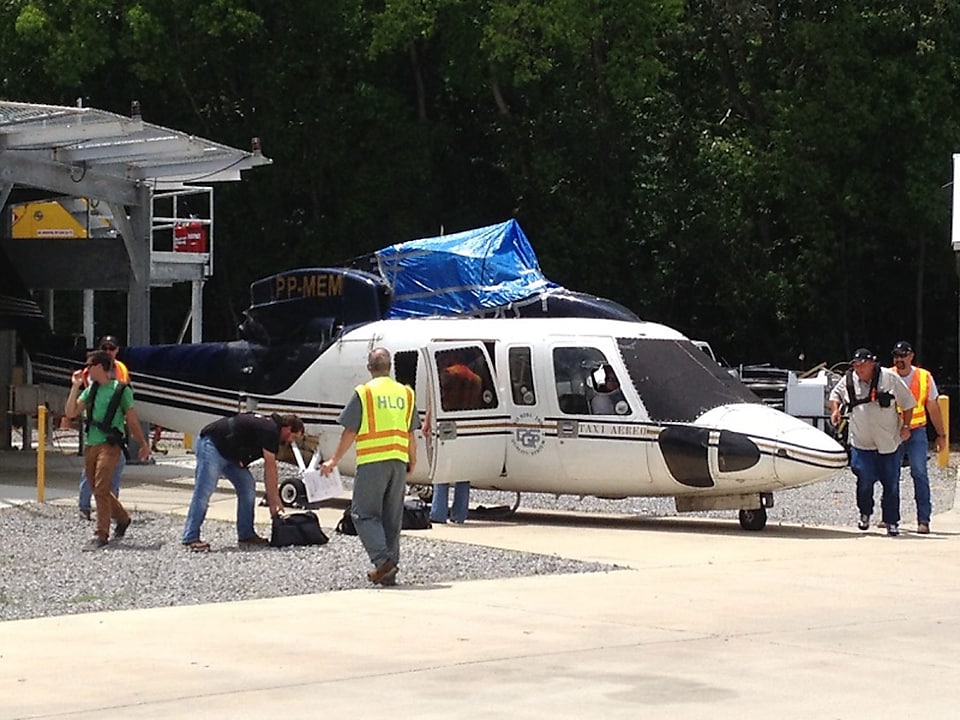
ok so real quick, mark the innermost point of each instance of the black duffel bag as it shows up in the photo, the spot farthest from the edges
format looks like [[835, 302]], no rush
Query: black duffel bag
[[416, 516], [302, 528]]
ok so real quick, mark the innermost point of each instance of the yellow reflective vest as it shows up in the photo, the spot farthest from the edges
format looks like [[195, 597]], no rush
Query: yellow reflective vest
[[388, 408]]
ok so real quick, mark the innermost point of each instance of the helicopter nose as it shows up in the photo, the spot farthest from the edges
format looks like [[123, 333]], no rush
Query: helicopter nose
[[804, 454], [800, 453]]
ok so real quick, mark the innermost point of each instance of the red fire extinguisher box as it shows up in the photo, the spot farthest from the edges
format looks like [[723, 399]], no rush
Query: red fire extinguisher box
[[190, 237]]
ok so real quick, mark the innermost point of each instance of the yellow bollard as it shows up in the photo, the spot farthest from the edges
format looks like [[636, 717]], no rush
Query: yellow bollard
[[943, 457], [41, 451], [188, 442]]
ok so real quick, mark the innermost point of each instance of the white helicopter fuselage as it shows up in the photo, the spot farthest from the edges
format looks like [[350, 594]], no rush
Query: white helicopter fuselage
[[542, 417]]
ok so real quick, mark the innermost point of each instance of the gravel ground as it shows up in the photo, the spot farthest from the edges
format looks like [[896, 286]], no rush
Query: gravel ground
[[44, 570]]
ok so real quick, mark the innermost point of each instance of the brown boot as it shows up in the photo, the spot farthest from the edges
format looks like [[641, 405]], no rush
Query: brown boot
[[377, 576]]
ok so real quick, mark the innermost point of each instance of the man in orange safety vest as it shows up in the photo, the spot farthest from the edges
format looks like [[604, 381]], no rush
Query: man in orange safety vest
[[926, 412]]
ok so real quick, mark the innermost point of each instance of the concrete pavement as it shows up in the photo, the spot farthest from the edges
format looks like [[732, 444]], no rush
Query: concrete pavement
[[704, 621]]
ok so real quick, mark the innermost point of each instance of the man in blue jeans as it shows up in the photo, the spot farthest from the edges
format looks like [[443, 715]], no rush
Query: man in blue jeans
[[457, 515], [927, 412], [226, 447], [879, 405]]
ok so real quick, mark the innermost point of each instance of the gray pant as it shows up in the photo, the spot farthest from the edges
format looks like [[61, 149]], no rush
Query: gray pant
[[377, 508]]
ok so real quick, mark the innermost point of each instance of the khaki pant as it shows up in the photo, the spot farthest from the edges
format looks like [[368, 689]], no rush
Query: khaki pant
[[100, 461]]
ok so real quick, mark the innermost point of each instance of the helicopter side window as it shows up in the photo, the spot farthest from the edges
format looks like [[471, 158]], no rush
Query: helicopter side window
[[521, 376], [465, 380], [405, 367]]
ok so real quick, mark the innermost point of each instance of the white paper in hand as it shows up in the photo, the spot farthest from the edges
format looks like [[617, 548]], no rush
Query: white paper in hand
[[321, 487]]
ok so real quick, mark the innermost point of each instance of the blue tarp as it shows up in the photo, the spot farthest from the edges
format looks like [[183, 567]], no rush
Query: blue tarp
[[463, 273]]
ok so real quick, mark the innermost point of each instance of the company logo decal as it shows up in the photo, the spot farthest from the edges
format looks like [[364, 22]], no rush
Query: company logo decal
[[528, 435]]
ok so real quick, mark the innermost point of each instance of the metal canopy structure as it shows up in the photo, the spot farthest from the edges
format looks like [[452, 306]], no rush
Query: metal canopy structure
[[94, 153], [121, 162]]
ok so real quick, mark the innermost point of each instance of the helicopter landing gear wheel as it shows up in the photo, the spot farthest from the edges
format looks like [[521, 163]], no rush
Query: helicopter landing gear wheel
[[293, 493], [753, 519]]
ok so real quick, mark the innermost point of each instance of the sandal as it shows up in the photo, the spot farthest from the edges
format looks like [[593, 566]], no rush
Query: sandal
[[197, 546]]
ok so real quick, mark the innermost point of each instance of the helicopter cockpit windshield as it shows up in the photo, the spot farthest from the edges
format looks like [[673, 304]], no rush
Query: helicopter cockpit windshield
[[679, 365]]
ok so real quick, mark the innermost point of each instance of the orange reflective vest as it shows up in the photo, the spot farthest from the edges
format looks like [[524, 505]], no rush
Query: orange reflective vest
[[920, 387], [120, 372], [388, 408]]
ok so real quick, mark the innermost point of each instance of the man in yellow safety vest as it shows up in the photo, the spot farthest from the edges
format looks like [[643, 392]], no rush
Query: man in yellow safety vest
[[927, 411], [381, 417]]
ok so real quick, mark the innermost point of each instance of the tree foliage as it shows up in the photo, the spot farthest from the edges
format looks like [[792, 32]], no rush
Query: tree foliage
[[769, 174]]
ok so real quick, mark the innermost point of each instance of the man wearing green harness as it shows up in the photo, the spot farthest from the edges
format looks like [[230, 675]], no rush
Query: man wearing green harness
[[109, 408]]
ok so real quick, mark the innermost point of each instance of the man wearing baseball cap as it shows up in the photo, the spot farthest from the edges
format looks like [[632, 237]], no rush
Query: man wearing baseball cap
[[880, 406], [926, 412], [111, 346]]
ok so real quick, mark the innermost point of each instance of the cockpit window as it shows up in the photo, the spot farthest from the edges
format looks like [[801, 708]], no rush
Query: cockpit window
[[676, 381], [586, 383]]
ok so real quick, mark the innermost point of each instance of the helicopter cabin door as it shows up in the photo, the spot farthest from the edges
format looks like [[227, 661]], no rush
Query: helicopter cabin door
[[466, 425]]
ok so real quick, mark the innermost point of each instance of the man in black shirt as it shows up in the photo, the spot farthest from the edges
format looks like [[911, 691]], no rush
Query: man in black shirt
[[225, 448]]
